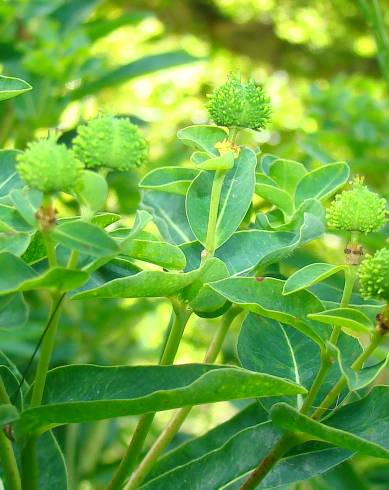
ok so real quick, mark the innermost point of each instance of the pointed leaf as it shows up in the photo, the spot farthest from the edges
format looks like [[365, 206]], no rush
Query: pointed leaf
[[322, 182], [310, 275], [71, 397], [344, 317], [11, 87]]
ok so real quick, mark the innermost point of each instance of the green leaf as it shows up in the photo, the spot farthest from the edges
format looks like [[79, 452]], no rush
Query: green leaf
[[266, 160], [9, 178], [92, 191], [361, 426], [222, 162], [11, 87], [18, 276], [287, 174], [14, 243], [51, 464], [201, 297], [249, 250], [10, 219], [344, 317], [215, 438], [168, 211], [85, 238], [102, 220], [116, 391], [235, 199], [27, 201], [148, 284], [266, 346], [137, 68], [310, 275], [224, 467], [8, 414], [322, 182], [203, 138], [276, 196], [175, 180], [264, 297], [13, 311], [160, 253]]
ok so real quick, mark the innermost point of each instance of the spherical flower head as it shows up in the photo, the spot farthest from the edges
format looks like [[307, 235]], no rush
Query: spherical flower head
[[357, 209], [112, 142], [237, 104], [374, 275], [49, 167]]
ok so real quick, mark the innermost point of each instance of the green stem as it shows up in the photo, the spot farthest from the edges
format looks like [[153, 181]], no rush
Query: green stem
[[180, 415], [50, 248], [131, 457], [7, 456], [355, 366], [217, 186]]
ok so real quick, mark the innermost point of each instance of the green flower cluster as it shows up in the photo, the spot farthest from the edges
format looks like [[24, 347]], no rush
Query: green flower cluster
[[357, 209], [374, 275], [111, 142], [237, 104], [49, 167]]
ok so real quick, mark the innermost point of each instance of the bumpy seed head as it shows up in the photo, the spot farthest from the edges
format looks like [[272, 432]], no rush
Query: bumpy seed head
[[112, 142], [49, 167], [237, 104], [357, 209], [374, 275]]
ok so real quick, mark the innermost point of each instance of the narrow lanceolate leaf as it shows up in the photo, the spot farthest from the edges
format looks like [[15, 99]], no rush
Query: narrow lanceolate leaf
[[267, 346], [361, 426], [322, 182], [160, 253], [345, 317], [224, 467], [11, 87], [116, 391], [264, 296], [85, 238], [148, 284], [310, 275], [236, 196], [168, 211], [9, 178], [18, 276], [203, 138], [175, 180], [254, 249]]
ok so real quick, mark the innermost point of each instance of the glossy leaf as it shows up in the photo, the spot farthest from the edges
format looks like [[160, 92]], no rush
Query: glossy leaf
[[168, 211], [322, 182], [11, 87], [85, 238], [203, 138], [235, 199], [361, 426], [160, 253], [71, 397], [148, 284], [287, 174], [310, 275], [264, 297], [344, 317], [175, 180], [276, 196]]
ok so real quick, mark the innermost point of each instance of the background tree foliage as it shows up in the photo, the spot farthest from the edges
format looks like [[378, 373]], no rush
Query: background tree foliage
[[156, 61]]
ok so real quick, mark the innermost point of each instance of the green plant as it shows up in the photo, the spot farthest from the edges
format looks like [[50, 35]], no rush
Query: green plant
[[304, 352]]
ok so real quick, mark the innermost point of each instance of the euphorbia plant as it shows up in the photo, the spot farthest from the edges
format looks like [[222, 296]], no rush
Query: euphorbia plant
[[302, 346]]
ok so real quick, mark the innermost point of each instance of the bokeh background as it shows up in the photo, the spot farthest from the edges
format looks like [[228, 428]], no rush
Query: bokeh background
[[325, 66]]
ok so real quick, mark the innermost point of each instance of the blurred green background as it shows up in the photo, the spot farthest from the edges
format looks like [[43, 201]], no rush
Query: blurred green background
[[156, 61]]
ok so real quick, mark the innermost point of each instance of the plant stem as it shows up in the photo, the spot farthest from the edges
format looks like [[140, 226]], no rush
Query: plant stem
[[7, 456], [355, 366], [180, 415], [286, 442], [217, 186], [131, 457]]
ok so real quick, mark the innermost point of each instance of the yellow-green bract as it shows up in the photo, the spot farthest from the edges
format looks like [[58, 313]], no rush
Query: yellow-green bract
[[111, 142]]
